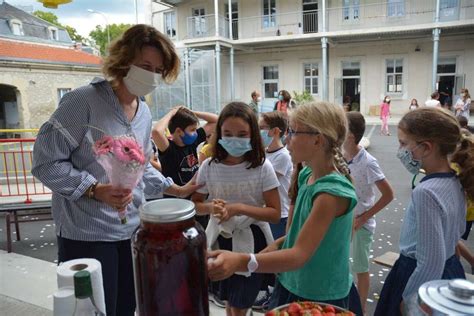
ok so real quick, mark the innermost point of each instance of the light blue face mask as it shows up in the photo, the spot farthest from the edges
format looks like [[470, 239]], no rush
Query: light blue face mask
[[280, 97], [266, 139], [406, 158], [236, 146]]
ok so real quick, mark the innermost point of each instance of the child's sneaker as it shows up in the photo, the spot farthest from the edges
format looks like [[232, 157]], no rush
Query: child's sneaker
[[262, 300], [216, 300]]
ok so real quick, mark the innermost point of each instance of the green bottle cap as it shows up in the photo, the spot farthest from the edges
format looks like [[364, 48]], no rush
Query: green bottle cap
[[82, 284]]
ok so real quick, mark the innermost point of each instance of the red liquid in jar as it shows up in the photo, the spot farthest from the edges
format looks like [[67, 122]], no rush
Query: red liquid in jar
[[170, 268]]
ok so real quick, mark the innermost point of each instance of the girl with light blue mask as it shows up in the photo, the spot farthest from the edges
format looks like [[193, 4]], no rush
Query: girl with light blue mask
[[240, 193], [430, 138]]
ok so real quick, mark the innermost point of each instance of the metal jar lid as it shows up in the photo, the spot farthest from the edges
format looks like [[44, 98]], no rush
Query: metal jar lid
[[450, 297], [167, 210]]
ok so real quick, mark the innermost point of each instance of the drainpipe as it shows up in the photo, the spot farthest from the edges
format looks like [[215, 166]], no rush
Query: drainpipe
[[436, 33]]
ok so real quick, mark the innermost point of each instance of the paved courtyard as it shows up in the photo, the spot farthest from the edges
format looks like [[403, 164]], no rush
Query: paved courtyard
[[38, 240]]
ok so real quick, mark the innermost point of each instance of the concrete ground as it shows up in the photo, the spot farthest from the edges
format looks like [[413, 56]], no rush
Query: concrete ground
[[22, 292]]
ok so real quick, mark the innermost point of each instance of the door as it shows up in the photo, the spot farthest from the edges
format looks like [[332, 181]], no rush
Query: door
[[458, 85], [199, 19], [446, 89], [12, 119], [351, 93], [235, 18], [310, 16]]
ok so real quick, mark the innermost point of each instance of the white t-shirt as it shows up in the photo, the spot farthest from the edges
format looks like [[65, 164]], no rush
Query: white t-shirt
[[433, 103], [365, 171], [281, 162], [236, 183]]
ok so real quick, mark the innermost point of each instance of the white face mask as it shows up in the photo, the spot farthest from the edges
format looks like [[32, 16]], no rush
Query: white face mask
[[141, 82], [259, 99], [463, 95]]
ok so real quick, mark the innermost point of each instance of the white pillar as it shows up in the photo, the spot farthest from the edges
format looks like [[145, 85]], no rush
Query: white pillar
[[216, 16], [218, 76], [187, 78], [325, 75], [232, 82]]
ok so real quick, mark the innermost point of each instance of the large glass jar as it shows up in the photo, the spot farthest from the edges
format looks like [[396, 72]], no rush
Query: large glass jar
[[169, 260]]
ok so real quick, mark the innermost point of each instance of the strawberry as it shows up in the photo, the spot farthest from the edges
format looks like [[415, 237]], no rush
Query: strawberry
[[315, 312], [272, 313], [329, 309], [294, 308]]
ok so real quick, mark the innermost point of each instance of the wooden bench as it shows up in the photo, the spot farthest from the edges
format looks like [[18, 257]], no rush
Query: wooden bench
[[388, 260], [12, 209]]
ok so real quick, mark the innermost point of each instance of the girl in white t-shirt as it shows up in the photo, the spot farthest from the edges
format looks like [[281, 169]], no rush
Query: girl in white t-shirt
[[241, 193]]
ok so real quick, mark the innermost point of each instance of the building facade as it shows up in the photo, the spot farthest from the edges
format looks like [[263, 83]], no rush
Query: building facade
[[359, 50], [39, 63]]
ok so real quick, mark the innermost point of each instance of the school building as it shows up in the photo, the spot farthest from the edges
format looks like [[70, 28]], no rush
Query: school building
[[363, 49]]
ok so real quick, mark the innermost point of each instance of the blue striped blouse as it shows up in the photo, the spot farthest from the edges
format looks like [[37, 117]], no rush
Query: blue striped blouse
[[63, 160], [433, 224]]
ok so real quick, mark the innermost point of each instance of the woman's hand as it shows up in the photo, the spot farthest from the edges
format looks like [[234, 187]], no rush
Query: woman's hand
[[116, 197], [221, 264]]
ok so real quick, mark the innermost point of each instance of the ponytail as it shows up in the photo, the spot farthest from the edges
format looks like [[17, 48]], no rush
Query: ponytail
[[464, 158]]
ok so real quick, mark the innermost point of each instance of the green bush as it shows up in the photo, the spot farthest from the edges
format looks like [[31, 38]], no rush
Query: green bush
[[303, 97]]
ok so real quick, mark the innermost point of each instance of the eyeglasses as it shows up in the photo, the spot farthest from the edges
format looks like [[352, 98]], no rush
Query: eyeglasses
[[292, 132]]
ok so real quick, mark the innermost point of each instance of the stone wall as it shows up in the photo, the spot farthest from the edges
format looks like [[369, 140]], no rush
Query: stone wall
[[37, 89]]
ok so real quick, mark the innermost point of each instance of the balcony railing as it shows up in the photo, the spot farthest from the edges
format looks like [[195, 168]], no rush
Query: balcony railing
[[402, 13], [344, 18], [205, 26], [289, 23]]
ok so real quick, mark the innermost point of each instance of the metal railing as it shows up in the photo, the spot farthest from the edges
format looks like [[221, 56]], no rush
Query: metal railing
[[402, 13], [17, 184], [288, 23], [340, 18], [205, 26]]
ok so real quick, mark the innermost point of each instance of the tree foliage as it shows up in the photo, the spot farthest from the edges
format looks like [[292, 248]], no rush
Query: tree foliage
[[53, 19], [303, 97], [99, 34]]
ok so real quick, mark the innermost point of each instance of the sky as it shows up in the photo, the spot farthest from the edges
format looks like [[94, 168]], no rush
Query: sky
[[75, 13]]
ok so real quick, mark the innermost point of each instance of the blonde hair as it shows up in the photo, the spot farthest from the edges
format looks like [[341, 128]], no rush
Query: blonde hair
[[123, 52], [329, 120], [441, 127]]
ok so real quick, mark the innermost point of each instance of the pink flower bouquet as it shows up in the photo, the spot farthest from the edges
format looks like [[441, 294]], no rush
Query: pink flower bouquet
[[123, 161]]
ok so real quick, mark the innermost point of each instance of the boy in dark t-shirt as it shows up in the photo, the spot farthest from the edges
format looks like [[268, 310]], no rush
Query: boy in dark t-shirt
[[178, 154]]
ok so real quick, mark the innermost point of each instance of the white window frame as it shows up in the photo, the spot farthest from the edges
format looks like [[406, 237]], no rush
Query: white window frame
[[311, 77], [394, 75], [395, 8], [53, 33], [350, 10], [200, 25], [268, 16], [265, 81], [62, 92], [16, 23], [449, 13], [166, 24]]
